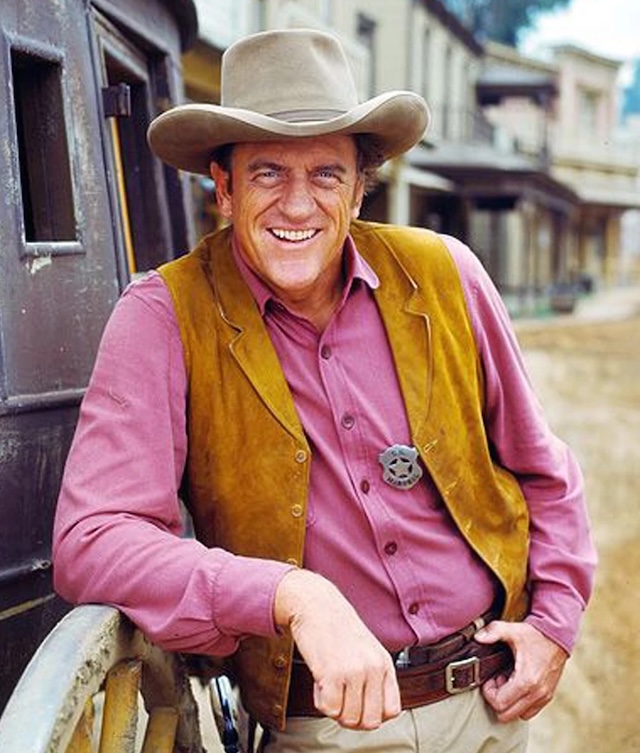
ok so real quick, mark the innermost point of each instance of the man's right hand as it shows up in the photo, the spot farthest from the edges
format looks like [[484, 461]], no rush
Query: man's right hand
[[354, 677]]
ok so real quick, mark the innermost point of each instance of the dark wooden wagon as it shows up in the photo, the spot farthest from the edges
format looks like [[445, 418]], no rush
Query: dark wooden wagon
[[83, 207]]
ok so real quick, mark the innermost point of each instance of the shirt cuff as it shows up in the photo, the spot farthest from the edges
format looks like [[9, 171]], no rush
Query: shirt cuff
[[557, 615], [244, 593]]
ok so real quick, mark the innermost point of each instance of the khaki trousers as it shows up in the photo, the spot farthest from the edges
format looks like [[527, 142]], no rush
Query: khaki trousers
[[459, 724]]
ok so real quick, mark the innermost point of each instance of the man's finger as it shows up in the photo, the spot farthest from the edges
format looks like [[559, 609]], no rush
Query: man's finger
[[328, 698], [392, 704], [353, 704]]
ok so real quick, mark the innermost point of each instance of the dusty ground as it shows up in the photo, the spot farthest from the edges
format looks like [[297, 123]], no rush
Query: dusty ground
[[587, 374]]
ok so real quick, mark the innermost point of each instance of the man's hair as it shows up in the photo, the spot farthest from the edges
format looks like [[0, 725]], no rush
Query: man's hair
[[222, 157], [370, 157], [368, 154]]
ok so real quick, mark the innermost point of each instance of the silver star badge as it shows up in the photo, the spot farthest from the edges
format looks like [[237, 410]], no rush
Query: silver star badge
[[401, 467]]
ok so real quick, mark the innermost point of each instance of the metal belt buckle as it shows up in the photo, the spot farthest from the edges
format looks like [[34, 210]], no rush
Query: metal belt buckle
[[450, 676], [403, 660]]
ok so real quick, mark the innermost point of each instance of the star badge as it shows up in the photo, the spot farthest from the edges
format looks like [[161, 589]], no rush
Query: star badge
[[401, 466]]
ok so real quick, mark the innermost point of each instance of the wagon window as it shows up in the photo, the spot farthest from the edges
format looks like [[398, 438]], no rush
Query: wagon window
[[45, 177]]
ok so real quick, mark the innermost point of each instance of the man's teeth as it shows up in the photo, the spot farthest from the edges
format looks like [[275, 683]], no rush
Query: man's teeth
[[293, 235]]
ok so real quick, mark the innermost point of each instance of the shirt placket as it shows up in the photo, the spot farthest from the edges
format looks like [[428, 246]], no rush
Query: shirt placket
[[365, 473]]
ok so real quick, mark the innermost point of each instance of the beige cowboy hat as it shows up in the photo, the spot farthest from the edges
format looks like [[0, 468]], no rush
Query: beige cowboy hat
[[285, 84]]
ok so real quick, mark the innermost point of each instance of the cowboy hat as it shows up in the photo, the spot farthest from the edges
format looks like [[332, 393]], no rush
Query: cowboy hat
[[285, 84]]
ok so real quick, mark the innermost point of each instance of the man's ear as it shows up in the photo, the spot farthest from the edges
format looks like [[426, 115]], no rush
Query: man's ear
[[358, 197], [221, 178]]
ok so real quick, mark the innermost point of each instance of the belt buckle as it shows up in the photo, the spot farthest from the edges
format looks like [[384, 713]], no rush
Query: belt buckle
[[403, 659], [451, 682]]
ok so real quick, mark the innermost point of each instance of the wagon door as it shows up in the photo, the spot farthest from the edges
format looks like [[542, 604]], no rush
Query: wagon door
[[135, 82]]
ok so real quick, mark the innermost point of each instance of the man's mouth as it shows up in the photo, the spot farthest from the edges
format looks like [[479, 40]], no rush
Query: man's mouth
[[293, 236]]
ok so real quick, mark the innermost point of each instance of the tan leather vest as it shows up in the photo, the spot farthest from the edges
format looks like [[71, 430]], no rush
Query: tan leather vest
[[248, 461]]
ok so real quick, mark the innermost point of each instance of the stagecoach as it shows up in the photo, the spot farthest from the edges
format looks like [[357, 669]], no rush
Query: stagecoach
[[84, 207]]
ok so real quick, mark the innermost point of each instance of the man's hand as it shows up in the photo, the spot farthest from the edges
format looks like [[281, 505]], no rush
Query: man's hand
[[538, 666], [355, 680]]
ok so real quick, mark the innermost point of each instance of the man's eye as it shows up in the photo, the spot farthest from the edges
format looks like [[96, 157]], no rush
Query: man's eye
[[266, 177], [327, 176]]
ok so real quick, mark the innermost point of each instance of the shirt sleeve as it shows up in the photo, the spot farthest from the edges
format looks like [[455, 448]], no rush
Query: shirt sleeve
[[119, 529], [562, 557]]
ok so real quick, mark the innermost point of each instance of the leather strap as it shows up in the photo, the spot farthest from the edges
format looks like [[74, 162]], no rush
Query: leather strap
[[446, 647], [421, 685]]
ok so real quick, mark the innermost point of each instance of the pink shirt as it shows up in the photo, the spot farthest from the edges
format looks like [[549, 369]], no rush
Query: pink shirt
[[394, 553]]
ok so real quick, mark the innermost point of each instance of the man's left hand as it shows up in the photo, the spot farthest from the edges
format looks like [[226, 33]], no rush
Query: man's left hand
[[538, 666]]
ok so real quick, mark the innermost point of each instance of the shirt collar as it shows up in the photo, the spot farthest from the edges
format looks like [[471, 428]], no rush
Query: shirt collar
[[357, 269]]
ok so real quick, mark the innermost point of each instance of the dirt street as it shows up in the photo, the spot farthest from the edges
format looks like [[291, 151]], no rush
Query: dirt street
[[587, 375]]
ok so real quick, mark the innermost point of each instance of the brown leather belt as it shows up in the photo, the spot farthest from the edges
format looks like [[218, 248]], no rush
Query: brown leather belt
[[445, 648], [468, 665]]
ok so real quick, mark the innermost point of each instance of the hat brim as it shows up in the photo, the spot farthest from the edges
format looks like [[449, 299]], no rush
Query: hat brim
[[186, 136]]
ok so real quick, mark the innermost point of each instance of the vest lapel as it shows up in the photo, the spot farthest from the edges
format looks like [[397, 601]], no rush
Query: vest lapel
[[249, 343], [409, 332], [404, 313]]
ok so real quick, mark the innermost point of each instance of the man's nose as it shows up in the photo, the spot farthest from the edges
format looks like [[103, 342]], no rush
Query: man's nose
[[297, 198]]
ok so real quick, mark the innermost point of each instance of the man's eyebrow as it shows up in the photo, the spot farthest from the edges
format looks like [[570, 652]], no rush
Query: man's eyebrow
[[263, 164], [332, 167]]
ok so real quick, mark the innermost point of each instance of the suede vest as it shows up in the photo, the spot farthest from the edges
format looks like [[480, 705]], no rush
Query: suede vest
[[248, 461]]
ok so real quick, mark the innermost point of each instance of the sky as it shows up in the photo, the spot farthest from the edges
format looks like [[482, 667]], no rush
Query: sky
[[610, 28]]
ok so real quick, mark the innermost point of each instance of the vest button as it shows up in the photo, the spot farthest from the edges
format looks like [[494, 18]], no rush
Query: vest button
[[280, 661], [365, 486], [300, 456], [278, 708], [414, 608], [325, 352], [297, 511]]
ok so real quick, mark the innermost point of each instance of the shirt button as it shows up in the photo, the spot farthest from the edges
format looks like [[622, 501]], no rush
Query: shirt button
[[348, 421], [365, 486], [325, 352], [300, 456], [414, 608], [296, 511], [391, 548]]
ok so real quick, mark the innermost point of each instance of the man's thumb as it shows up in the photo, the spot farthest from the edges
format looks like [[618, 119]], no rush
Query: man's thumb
[[489, 633]]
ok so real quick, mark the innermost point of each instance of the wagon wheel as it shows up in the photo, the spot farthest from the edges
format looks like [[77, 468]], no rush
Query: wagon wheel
[[98, 684]]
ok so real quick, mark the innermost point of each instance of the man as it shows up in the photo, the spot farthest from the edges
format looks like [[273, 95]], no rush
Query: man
[[384, 521]]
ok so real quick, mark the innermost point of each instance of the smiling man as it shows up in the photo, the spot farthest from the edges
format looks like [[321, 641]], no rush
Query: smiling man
[[291, 207], [391, 547]]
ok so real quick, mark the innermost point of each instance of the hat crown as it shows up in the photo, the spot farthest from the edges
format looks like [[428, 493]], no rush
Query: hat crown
[[294, 75], [286, 84]]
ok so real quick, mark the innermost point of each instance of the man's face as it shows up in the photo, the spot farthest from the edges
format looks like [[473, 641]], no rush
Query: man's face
[[291, 204]]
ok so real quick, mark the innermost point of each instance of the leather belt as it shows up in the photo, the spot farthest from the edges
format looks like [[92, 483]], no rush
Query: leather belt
[[445, 648], [466, 666], [428, 683]]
